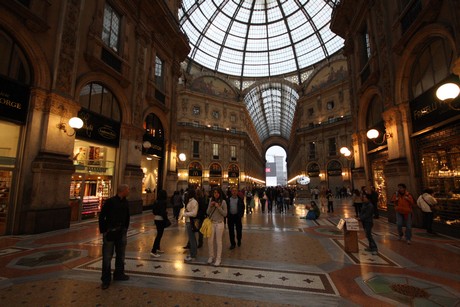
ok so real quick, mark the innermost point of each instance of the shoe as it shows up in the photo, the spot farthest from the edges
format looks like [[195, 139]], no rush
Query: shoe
[[239, 243], [408, 242], [105, 286], [217, 263], [121, 277], [160, 251], [375, 253], [189, 259], [400, 238], [210, 260], [232, 247], [186, 247], [156, 255]]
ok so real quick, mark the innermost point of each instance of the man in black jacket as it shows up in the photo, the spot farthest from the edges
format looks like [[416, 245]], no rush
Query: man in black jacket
[[235, 213], [113, 224]]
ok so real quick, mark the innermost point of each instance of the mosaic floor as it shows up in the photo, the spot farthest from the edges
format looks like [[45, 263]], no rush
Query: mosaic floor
[[283, 261]]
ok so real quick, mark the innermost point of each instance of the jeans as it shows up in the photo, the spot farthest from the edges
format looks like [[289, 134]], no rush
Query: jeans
[[399, 222], [217, 234], [191, 239], [368, 230], [234, 221], [108, 248], [160, 229]]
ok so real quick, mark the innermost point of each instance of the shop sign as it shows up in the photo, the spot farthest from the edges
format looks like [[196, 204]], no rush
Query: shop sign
[[195, 169], [14, 100], [427, 110], [98, 128], [156, 147]]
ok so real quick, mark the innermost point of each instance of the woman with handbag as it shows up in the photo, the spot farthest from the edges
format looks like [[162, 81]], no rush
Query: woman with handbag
[[426, 202], [161, 218], [217, 211]]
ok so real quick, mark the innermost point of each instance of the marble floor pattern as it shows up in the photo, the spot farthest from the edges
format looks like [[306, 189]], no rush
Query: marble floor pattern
[[283, 261]]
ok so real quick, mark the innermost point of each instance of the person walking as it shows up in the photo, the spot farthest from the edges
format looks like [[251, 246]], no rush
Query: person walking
[[176, 201], [404, 202], [191, 210], [426, 202], [161, 215], [217, 211], [113, 224], [366, 216], [374, 199], [202, 207], [330, 201], [357, 201], [235, 214]]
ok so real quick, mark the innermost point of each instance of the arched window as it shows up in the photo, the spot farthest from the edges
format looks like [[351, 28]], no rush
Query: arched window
[[13, 62], [432, 65], [153, 127], [100, 100]]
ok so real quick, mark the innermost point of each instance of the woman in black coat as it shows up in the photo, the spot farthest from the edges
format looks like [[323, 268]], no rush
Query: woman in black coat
[[159, 210]]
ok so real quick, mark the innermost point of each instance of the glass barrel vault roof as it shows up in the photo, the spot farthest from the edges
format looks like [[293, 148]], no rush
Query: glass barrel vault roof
[[259, 38]]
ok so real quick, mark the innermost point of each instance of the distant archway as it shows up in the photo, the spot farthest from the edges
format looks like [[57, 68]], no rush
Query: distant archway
[[275, 167]]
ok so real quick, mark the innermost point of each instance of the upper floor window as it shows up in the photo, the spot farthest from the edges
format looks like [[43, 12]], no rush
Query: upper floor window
[[330, 105], [233, 152], [13, 63], [196, 149], [111, 28], [332, 146], [215, 151], [312, 151], [159, 73], [98, 99], [311, 111], [433, 66], [154, 127]]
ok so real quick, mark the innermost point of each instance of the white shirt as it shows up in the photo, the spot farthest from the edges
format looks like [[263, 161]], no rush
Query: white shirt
[[425, 201]]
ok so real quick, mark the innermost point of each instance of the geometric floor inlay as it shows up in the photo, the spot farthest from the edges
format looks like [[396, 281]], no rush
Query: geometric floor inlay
[[226, 274], [363, 257], [12, 250], [47, 258], [411, 291]]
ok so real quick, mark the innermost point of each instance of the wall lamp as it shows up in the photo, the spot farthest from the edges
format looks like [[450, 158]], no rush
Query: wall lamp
[[182, 157], [346, 153], [75, 123], [447, 93], [145, 145], [373, 134]]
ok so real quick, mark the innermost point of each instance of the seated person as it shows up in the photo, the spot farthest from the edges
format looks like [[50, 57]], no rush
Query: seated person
[[313, 212]]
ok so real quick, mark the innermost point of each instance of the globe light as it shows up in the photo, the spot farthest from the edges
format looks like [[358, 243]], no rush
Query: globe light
[[448, 91], [372, 134], [75, 123]]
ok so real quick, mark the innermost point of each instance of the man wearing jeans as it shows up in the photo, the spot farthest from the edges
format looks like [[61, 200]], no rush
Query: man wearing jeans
[[404, 202], [235, 213], [113, 224]]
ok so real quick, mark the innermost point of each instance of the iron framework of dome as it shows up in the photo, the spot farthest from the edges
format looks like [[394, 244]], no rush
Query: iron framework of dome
[[260, 39]]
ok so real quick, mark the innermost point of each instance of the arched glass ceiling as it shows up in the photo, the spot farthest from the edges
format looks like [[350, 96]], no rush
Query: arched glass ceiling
[[259, 38], [272, 106]]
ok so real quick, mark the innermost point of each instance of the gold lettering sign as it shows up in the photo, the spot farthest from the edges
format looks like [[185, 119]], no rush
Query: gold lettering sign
[[9, 103], [425, 110]]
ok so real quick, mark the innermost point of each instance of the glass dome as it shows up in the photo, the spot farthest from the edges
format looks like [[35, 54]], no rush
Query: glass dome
[[259, 38]]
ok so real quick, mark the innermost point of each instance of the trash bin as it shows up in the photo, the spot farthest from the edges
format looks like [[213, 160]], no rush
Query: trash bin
[[350, 235]]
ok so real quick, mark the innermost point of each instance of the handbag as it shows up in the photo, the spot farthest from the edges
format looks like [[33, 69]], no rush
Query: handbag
[[196, 224], [206, 228]]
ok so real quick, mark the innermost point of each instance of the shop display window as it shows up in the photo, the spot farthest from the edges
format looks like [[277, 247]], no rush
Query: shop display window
[[91, 184], [441, 172]]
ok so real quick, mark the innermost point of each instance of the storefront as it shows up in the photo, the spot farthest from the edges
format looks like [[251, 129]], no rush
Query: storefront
[[14, 106], [94, 157], [313, 172], [215, 175], [195, 173], [334, 176], [378, 161], [436, 134], [233, 175]]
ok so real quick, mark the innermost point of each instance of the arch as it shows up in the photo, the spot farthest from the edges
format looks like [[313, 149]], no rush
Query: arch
[[195, 169], [402, 90], [112, 84], [364, 103], [215, 169], [313, 169], [275, 141], [41, 74]]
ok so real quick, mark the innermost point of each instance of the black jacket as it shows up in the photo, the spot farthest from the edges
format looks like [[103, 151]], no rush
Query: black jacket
[[114, 214], [240, 206]]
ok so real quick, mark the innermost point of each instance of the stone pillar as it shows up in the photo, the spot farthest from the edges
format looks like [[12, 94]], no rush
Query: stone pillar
[[133, 178]]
